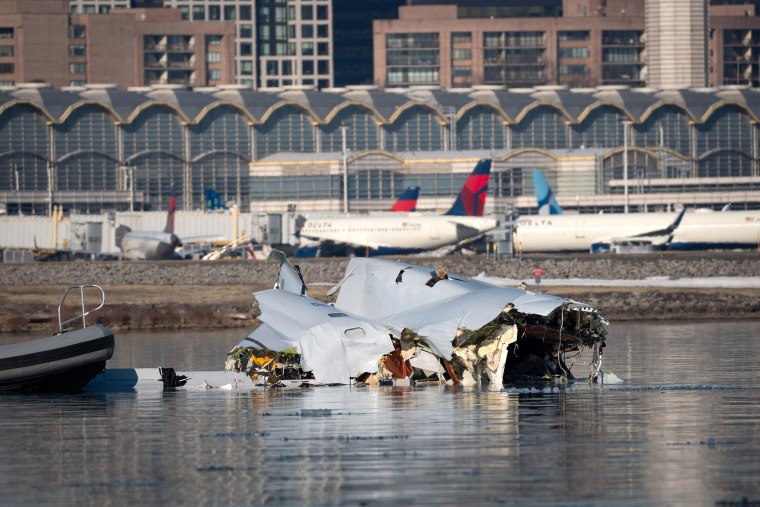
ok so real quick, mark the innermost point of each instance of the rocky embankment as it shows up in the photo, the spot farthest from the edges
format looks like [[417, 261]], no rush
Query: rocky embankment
[[184, 294]]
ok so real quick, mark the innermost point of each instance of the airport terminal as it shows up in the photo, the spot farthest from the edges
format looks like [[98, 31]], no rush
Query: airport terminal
[[101, 149]]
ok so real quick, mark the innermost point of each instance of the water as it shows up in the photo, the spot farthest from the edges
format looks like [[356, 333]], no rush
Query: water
[[684, 429]]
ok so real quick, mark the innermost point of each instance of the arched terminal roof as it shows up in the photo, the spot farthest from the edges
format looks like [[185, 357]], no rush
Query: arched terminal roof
[[322, 106], [121, 102]]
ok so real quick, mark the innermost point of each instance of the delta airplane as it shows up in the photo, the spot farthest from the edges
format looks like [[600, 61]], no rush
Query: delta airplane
[[693, 230], [150, 245], [400, 233]]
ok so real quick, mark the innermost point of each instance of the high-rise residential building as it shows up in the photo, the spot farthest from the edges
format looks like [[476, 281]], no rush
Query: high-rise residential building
[[676, 43], [294, 43], [41, 41], [576, 43], [278, 42]]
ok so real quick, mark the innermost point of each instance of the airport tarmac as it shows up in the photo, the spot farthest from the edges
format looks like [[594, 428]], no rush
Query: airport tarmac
[[196, 294]]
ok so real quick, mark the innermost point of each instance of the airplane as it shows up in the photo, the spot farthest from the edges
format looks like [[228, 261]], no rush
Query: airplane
[[402, 233], [150, 245], [395, 322], [636, 232], [547, 202]]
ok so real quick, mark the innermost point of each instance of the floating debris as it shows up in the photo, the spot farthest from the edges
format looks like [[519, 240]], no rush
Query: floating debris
[[398, 323]]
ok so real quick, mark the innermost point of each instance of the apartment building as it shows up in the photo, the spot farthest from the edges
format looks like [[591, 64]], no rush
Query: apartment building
[[277, 42], [576, 43], [41, 42]]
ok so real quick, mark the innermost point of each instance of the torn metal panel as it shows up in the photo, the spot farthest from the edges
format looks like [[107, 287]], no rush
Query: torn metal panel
[[332, 345], [393, 320]]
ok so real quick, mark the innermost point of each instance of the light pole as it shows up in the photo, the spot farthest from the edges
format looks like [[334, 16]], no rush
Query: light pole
[[343, 129], [625, 165]]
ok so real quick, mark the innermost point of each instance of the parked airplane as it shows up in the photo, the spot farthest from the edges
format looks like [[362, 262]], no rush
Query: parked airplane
[[547, 202], [695, 230], [395, 233], [150, 245]]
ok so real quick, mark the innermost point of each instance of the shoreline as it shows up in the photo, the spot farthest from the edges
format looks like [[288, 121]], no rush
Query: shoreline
[[191, 295]]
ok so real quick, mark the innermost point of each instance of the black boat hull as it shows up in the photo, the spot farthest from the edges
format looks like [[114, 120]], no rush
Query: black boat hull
[[61, 363]]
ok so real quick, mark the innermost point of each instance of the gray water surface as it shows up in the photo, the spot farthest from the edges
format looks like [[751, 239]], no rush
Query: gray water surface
[[683, 429]]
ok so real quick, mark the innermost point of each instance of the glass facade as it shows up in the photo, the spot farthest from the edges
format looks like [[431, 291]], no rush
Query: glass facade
[[154, 150]]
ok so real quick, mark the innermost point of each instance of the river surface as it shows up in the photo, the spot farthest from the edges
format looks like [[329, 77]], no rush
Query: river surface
[[682, 429]]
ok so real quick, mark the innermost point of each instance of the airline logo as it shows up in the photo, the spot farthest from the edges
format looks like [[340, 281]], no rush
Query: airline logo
[[471, 200], [407, 201]]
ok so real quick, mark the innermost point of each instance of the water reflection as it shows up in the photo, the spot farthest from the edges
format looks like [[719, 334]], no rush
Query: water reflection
[[681, 430]]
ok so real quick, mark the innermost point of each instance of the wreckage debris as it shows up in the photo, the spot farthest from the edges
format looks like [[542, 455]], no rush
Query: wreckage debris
[[394, 322]]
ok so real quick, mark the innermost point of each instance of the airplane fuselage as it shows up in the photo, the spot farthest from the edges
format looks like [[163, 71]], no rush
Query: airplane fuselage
[[149, 245], [698, 230], [397, 232]]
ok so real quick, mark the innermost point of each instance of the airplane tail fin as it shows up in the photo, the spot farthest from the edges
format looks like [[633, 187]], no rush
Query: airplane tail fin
[[121, 231], [547, 202], [213, 201], [170, 214], [289, 278], [407, 201], [472, 198]]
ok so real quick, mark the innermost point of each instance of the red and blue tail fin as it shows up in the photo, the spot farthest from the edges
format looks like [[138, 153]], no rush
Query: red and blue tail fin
[[170, 214], [407, 201], [472, 198]]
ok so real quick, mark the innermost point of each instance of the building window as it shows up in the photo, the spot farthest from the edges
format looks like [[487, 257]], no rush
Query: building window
[[322, 12], [246, 31], [307, 31], [88, 9], [199, 13], [213, 57], [184, 11], [307, 48], [287, 68], [77, 68], [307, 68], [104, 9], [214, 13], [307, 12], [76, 50], [461, 37], [461, 54], [4, 82], [272, 68], [323, 67], [6, 50], [214, 40], [411, 40], [573, 52], [246, 49], [245, 12], [77, 32], [214, 75], [323, 31], [229, 13], [7, 68], [77, 82], [246, 68], [574, 35], [323, 48], [6, 32]]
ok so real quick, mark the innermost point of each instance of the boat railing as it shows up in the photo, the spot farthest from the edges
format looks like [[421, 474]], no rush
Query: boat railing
[[82, 316]]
